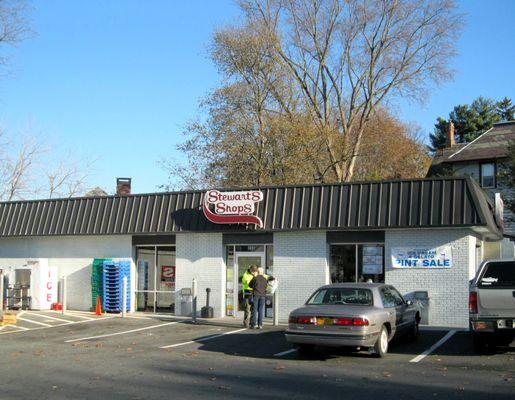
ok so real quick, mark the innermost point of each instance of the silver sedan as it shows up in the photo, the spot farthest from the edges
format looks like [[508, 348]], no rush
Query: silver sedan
[[361, 315]]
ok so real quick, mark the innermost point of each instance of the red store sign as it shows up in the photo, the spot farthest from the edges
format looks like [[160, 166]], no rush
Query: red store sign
[[232, 207]]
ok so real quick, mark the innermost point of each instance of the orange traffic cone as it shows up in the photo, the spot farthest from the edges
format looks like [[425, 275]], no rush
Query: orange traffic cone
[[98, 310]]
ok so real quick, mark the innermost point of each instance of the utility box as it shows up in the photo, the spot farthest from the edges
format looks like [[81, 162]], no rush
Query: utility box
[[186, 299]]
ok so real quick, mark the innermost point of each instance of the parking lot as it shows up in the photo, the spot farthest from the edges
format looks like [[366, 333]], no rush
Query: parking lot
[[82, 356]]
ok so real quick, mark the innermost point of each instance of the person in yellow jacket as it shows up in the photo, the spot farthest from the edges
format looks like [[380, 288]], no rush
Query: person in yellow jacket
[[247, 276]]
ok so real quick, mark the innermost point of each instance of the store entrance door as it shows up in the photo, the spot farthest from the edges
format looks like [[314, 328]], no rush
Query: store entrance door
[[243, 262]]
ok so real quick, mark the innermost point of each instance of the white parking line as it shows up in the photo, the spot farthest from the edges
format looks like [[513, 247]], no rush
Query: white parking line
[[34, 322], [77, 315], [423, 355], [283, 353], [52, 318], [204, 339], [20, 327], [121, 333]]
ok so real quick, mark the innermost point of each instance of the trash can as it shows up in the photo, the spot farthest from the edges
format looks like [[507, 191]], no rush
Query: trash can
[[421, 299], [186, 298]]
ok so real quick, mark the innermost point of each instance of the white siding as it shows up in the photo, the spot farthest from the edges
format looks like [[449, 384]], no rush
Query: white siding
[[447, 288], [201, 256], [73, 256], [300, 265]]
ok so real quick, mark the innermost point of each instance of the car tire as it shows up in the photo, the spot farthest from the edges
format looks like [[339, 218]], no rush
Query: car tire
[[306, 349], [381, 346], [480, 343], [414, 331]]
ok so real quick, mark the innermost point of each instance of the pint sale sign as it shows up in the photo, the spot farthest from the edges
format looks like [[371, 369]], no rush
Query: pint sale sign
[[425, 258], [232, 207]]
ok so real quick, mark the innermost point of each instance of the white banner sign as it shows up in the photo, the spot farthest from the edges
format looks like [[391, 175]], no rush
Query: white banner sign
[[43, 285], [420, 257]]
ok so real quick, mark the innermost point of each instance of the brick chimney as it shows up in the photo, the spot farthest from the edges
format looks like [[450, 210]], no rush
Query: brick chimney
[[123, 186], [450, 140]]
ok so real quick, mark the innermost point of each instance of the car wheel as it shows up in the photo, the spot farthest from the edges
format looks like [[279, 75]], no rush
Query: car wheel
[[414, 331], [306, 349], [381, 346]]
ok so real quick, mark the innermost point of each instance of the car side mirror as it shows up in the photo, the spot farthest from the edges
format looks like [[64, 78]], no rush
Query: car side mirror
[[409, 302]]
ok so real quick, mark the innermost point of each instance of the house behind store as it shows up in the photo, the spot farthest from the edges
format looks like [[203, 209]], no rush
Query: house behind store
[[311, 235], [484, 160]]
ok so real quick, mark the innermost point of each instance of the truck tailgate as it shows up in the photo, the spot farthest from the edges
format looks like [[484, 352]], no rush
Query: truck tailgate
[[496, 289], [498, 302]]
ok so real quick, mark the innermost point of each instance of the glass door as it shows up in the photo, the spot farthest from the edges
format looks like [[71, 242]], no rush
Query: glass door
[[155, 278], [243, 263]]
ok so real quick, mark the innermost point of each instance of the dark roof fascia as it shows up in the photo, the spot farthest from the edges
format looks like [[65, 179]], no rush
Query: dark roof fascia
[[236, 188], [485, 207]]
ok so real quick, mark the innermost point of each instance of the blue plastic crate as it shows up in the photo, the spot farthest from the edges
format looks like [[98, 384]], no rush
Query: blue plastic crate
[[112, 279]]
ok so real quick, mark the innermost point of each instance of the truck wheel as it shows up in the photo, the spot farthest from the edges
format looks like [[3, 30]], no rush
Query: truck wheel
[[306, 349], [480, 343], [381, 346]]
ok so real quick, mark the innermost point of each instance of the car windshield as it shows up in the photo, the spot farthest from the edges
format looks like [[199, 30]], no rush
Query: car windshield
[[342, 296], [498, 275]]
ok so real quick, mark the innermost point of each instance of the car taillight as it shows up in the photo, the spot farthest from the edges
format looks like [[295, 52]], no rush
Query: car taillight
[[343, 321], [473, 302], [292, 320], [359, 321], [306, 320], [350, 321]]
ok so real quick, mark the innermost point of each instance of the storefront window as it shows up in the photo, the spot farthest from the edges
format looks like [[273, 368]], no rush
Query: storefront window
[[155, 278], [357, 263], [343, 263]]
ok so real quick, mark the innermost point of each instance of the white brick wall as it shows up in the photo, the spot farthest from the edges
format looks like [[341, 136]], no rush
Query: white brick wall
[[201, 256], [72, 255], [300, 265], [448, 288]]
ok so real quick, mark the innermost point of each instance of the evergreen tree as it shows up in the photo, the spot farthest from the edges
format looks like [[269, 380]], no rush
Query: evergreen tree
[[471, 120], [506, 109], [439, 135]]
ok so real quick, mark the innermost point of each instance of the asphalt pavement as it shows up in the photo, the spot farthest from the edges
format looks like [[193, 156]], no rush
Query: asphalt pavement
[[163, 358]]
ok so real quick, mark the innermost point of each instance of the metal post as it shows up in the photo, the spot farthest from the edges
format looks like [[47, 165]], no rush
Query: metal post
[[63, 295], [124, 296], [276, 308], [1, 291], [194, 299]]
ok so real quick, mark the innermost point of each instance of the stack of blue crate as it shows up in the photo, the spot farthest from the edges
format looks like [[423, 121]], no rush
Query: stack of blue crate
[[113, 273]]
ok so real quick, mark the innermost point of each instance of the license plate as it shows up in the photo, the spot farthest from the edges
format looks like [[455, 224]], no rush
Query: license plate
[[505, 323], [324, 321]]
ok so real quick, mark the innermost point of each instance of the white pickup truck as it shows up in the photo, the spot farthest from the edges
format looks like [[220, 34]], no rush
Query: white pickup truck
[[492, 304]]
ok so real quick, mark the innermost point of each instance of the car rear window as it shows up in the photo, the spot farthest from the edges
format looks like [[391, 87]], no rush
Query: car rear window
[[342, 296], [498, 274]]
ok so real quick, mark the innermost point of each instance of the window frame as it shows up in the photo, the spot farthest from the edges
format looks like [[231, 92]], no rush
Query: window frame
[[357, 258], [494, 176]]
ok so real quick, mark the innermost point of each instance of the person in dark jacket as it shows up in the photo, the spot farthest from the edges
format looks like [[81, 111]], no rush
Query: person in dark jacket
[[258, 284]]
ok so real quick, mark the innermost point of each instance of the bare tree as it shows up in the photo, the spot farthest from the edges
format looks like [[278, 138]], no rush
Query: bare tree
[[16, 168], [349, 57], [31, 168], [14, 25], [66, 179]]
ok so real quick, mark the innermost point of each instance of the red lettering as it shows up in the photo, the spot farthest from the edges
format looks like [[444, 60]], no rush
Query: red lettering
[[49, 285], [212, 196], [49, 297]]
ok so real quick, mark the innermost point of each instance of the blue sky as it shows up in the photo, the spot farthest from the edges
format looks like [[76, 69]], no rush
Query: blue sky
[[116, 81]]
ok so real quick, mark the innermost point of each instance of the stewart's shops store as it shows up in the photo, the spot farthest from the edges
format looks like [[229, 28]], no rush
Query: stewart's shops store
[[426, 237]]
